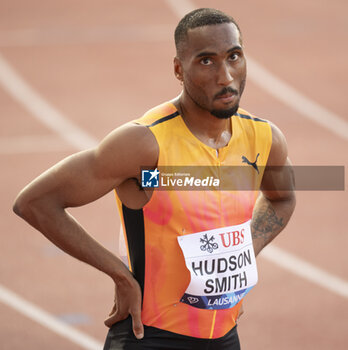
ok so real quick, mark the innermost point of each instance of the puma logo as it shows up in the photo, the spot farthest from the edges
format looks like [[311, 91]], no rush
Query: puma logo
[[254, 165]]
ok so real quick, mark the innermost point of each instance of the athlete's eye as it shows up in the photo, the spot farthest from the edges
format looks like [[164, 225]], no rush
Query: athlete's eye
[[234, 56], [206, 61]]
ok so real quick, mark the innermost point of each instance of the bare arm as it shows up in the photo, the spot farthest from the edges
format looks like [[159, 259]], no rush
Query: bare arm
[[276, 202], [81, 179]]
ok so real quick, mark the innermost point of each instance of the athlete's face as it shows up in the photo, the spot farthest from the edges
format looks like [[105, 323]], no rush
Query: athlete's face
[[212, 67]]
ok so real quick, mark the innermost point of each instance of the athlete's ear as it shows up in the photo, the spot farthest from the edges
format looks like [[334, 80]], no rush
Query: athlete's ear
[[178, 71]]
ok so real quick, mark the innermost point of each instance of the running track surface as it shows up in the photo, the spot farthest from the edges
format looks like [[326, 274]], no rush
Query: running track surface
[[98, 64]]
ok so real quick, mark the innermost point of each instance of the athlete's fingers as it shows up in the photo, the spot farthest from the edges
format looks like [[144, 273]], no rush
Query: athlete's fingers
[[115, 316], [114, 308], [112, 319], [138, 327], [109, 321]]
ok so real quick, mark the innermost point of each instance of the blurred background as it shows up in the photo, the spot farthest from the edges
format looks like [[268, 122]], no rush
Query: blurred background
[[72, 71]]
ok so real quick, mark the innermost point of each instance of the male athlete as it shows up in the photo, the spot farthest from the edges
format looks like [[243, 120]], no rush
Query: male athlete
[[191, 253]]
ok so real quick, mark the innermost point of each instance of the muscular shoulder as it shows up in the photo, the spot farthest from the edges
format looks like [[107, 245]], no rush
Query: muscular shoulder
[[279, 149], [278, 178], [125, 150]]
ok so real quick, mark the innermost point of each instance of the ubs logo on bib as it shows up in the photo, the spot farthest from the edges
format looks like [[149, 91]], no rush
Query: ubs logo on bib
[[208, 244], [232, 238]]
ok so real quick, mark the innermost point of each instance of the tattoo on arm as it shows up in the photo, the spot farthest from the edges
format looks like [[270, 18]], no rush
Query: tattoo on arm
[[266, 224]]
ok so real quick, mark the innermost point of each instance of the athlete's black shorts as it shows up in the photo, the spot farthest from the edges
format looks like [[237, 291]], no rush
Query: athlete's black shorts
[[121, 337]]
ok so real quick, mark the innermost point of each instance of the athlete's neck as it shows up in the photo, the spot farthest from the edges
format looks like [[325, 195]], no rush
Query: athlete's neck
[[212, 131]]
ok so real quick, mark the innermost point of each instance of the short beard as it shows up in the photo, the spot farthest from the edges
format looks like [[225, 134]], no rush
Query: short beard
[[224, 113]]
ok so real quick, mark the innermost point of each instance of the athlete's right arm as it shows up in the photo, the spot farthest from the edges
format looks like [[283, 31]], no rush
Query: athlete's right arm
[[81, 179]]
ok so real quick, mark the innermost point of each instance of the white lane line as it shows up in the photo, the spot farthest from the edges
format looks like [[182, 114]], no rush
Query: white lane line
[[305, 270], [277, 88], [32, 144], [181, 7], [42, 110], [45, 319], [295, 100], [80, 140], [85, 36]]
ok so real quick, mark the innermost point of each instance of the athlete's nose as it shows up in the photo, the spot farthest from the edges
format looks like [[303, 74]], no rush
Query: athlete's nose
[[224, 74]]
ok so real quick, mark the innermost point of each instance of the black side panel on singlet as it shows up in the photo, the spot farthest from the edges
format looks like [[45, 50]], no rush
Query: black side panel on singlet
[[135, 231]]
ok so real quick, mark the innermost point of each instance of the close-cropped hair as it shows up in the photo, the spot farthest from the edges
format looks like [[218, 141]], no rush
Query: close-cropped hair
[[199, 18]]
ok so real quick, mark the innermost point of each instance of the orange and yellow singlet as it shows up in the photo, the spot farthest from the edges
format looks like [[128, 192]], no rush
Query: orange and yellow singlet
[[151, 233]]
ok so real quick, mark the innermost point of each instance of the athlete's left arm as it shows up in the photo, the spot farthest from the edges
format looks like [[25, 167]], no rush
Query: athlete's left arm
[[276, 201]]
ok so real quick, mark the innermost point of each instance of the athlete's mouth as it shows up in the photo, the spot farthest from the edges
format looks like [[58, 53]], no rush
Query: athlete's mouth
[[226, 95]]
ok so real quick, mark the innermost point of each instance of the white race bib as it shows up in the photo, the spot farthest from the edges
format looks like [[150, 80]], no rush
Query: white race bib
[[222, 265]]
